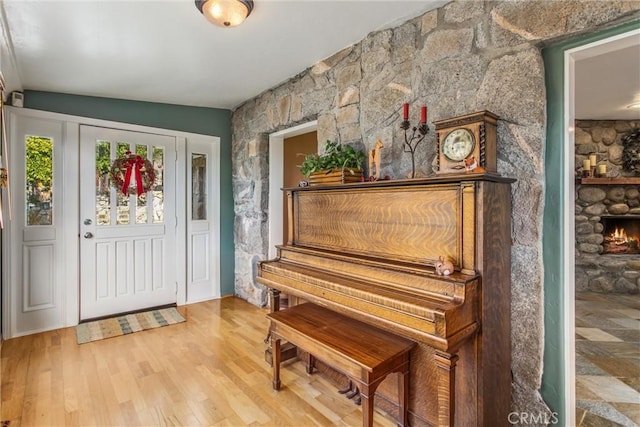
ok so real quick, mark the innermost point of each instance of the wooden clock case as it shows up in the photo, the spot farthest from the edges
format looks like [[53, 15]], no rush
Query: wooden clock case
[[483, 126]]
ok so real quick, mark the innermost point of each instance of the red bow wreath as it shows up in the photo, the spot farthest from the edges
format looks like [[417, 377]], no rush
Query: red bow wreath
[[123, 168]]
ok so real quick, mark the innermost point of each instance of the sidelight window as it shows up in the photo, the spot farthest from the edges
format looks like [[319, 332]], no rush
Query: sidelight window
[[198, 186], [39, 180]]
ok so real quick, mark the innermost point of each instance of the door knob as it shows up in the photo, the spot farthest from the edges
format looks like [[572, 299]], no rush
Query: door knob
[[88, 235]]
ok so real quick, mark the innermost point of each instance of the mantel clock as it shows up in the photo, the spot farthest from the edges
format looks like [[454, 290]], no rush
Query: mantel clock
[[467, 143]]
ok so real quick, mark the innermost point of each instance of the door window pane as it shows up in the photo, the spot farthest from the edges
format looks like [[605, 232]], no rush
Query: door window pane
[[158, 189], [198, 186], [141, 201], [39, 182], [122, 209], [141, 150], [141, 209], [103, 183]]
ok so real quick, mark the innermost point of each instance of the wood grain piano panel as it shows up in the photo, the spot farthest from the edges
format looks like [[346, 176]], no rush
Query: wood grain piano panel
[[494, 264], [409, 225]]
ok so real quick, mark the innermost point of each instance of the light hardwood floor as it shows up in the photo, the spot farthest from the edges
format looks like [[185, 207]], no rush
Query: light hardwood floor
[[209, 370]]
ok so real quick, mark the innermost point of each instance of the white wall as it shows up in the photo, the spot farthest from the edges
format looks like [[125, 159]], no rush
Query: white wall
[[7, 60]]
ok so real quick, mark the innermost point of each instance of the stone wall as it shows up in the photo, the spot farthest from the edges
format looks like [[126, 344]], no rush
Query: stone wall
[[596, 272], [603, 138], [463, 57]]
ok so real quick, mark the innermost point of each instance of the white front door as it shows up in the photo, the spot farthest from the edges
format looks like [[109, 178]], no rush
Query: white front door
[[127, 242]]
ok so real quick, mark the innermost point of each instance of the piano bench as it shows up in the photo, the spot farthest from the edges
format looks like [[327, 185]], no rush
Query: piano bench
[[362, 352]]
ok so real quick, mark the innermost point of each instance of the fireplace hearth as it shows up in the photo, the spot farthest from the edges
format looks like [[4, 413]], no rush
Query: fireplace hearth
[[621, 234]]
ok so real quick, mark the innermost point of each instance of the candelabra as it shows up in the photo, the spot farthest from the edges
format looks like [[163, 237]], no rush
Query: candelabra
[[411, 142]]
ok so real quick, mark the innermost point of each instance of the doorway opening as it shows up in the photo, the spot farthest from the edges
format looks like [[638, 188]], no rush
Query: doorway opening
[[598, 316], [276, 181], [295, 149]]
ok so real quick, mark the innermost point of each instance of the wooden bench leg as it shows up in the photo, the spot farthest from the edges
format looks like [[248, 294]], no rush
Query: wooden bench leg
[[366, 395], [403, 398], [275, 347]]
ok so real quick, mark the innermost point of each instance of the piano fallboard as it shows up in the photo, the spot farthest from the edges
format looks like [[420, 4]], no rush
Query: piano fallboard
[[440, 320]]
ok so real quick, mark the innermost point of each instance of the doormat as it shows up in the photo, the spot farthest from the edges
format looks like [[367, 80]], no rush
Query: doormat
[[126, 324]]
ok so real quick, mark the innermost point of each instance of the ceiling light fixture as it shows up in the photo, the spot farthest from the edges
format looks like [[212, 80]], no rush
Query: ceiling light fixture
[[635, 105], [225, 13]]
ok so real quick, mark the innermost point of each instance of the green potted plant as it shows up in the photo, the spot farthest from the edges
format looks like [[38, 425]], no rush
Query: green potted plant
[[338, 164]]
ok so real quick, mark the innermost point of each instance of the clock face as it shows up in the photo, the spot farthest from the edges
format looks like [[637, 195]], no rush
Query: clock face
[[458, 144]]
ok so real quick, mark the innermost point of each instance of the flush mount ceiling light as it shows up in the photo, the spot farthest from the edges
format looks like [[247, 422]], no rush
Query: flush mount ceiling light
[[225, 13], [635, 106]]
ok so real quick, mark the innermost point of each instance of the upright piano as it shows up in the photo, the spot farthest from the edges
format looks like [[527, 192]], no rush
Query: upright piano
[[369, 250]]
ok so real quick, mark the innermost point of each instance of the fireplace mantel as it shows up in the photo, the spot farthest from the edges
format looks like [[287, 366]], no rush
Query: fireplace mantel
[[609, 181]]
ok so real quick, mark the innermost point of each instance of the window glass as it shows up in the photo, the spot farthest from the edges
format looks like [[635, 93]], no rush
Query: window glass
[[158, 188], [141, 201], [103, 183], [198, 186], [122, 209], [39, 180]]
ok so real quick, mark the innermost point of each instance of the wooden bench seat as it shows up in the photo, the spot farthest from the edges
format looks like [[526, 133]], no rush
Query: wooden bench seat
[[364, 353]]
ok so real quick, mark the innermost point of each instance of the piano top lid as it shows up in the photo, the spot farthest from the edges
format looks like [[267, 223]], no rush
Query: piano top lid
[[431, 179]]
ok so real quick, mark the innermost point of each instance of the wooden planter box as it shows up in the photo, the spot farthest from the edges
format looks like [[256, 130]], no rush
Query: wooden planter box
[[335, 176]]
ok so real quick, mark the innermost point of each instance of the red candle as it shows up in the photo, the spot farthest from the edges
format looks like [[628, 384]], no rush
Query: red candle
[[423, 114], [405, 111]]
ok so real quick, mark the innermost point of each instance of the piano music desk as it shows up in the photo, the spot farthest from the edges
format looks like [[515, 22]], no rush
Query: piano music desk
[[362, 352]]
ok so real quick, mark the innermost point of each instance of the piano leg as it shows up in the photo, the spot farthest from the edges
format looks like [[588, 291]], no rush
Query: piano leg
[[446, 387], [310, 362], [275, 346], [275, 300], [275, 306]]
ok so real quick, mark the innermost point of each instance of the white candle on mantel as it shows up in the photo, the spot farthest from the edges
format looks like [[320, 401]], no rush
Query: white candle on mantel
[[586, 164], [593, 160], [602, 170]]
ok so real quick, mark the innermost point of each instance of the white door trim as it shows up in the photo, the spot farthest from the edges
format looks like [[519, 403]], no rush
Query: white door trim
[[276, 160], [568, 244], [70, 243]]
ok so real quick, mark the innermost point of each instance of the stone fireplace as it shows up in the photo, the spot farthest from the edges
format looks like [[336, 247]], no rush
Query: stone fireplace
[[607, 212], [621, 234]]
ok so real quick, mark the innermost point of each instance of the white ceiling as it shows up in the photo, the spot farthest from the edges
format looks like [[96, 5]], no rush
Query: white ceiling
[[607, 80], [166, 51]]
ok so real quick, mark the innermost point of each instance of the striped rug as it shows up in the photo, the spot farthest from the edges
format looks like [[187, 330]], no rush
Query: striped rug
[[126, 324]]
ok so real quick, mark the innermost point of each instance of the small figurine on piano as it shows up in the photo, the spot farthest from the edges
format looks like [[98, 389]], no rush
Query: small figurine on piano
[[444, 267], [374, 161]]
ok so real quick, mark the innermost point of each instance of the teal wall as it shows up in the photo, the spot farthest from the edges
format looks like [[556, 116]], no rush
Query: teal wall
[[205, 121], [555, 351]]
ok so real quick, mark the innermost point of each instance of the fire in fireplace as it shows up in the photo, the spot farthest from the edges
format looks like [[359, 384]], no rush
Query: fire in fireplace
[[621, 234]]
